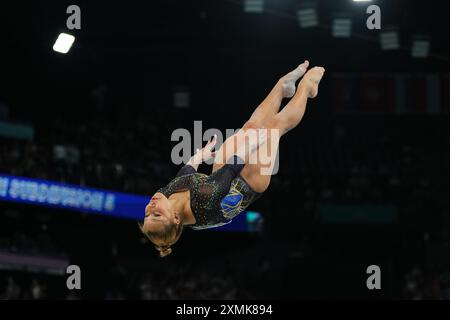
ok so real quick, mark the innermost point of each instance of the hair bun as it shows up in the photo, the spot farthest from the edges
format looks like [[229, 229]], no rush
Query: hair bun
[[164, 251]]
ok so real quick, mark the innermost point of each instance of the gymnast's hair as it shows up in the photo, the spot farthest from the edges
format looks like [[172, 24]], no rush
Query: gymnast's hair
[[163, 240]]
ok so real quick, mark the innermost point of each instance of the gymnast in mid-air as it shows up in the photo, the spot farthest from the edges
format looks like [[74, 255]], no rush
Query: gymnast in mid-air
[[200, 201]]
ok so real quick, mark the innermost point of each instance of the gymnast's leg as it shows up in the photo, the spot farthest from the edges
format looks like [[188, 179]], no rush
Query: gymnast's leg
[[284, 88], [258, 174]]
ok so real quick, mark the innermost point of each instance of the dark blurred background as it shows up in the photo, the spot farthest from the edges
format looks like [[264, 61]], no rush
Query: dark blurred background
[[363, 180]]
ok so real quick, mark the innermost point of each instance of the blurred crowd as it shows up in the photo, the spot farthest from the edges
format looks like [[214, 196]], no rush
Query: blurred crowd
[[37, 243], [91, 155], [180, 285], [345, 165], [351, 161], [419, 285], [27, 233], [31, 289], [197, 279], [192, 282]]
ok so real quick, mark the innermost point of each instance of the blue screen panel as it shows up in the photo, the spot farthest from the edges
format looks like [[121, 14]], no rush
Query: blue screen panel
[[92, 200]]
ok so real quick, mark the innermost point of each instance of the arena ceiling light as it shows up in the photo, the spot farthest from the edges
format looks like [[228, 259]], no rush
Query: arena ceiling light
[[390, 40], [420, 47], [342, 27], [307, 15], [63, 43], [254, 6], [181, 97]]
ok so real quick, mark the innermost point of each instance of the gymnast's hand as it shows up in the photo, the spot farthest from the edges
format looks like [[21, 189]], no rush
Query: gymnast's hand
[[204, 154]]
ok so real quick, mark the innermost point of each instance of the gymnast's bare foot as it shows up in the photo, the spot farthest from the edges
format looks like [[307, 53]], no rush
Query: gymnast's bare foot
[[311, 80], [288, 81]]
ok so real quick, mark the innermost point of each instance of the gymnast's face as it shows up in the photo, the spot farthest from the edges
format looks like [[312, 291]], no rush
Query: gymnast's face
[[157, 214]]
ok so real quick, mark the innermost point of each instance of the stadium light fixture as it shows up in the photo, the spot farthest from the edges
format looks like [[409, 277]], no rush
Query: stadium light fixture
[[63, 43], [254, 6], [420, 47], [390, 40], [342, 27], [307, 15]]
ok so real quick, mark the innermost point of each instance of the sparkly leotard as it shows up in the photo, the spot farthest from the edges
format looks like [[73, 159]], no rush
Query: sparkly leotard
[[215, 199]]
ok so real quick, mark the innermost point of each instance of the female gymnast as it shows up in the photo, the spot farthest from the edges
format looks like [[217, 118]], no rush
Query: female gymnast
[[201, 201]]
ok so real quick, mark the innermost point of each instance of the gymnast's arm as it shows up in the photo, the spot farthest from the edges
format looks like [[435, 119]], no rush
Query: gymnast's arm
[[200, 156], [223, 177], [218, 183]]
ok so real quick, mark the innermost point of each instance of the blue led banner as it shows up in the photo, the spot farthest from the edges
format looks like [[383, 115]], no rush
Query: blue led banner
[[91, 200], [72, 197]]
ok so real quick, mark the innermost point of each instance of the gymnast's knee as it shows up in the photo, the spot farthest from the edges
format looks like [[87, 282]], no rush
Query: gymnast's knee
[[274, 123], [251, 124]]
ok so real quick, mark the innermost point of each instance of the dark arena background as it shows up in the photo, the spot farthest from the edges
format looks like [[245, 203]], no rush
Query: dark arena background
[[85, 141]]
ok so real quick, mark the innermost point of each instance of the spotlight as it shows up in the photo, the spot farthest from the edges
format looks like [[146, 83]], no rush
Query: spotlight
[[307, 15], [181, 97], [342, 27], [420, 47], [389, 40], [63, 43], [254, 6]]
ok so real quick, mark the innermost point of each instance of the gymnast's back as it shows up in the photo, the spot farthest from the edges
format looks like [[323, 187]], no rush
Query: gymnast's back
[[206, 192]]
